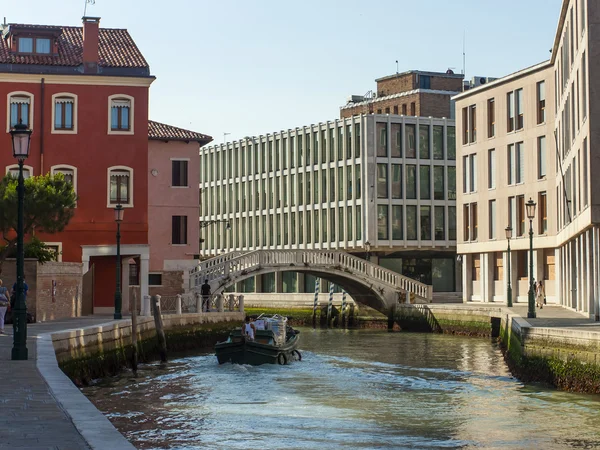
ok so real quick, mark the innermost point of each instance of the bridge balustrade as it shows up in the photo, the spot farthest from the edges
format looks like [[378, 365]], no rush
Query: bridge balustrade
[[236, 263]]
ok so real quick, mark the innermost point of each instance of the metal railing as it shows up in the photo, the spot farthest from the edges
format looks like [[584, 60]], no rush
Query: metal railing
[[191, 303]]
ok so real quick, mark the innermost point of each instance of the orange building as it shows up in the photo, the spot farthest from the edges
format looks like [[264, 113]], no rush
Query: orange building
[[84, 93]]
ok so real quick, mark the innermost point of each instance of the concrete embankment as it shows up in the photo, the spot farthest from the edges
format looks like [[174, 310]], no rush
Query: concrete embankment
[[103, 350], [567, 357]]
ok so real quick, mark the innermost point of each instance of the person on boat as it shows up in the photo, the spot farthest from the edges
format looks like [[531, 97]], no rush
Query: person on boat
[[248, 329]]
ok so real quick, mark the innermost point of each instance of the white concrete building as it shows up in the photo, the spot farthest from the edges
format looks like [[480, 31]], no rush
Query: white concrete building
[[385, 180]]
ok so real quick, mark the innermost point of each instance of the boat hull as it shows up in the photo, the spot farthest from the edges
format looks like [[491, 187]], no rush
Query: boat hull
[[255, 353]]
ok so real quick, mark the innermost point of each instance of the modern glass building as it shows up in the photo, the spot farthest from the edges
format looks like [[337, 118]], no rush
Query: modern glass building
[[388, 181]]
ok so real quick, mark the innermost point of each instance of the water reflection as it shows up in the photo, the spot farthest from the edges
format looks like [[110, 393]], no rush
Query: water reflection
[[353, 389]]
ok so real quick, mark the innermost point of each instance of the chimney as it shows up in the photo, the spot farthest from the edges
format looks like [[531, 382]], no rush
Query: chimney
[[91, 27]]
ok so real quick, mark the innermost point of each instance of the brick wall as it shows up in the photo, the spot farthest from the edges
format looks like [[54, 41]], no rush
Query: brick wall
[[401, 83], [9, 277], [375, 107], [446, 84], [65, 301], [172, 284], [434, 105]]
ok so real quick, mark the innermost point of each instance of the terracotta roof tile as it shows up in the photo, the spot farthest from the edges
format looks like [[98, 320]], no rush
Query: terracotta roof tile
[[163, 132], [116, 49]]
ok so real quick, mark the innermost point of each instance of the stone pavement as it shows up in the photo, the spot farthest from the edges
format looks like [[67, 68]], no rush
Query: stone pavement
[[551, 316], [31, 416]]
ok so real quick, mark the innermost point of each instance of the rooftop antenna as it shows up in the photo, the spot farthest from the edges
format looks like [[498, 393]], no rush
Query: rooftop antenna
[[464, 53], [225, 137], [396, 67], [92, 2]]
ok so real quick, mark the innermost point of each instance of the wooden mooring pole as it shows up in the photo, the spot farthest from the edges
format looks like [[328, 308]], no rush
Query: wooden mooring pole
[[160, 332], [134, 335]]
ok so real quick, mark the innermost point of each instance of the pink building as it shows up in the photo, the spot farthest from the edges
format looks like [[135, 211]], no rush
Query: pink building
[[173, 205]]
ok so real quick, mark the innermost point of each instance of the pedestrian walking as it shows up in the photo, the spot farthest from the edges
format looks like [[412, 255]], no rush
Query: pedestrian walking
[[13, 294], [4, 305], [540, 295], [205, 292]]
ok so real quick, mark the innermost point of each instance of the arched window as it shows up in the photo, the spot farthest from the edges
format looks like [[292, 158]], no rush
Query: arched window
[[64, 113], [120, 114], [70, 173], [120, 186], [13, 170], [20, 109]]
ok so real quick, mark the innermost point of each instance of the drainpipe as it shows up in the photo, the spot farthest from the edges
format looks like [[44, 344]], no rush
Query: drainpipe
[[42, 102]]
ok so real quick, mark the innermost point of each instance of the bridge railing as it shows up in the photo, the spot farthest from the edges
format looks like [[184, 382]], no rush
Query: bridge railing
[[190, 303], [238, 262]]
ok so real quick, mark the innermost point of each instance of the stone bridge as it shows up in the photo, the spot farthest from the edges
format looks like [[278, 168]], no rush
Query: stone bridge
[[365, 282]]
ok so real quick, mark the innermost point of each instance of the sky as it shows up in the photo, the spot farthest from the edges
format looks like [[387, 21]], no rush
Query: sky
[[254, 67]]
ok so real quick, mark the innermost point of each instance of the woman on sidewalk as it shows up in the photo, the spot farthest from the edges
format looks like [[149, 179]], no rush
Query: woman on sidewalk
[[540, 294], [3, 306]]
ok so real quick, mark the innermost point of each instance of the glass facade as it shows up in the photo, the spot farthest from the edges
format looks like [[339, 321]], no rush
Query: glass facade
[[390, 180]]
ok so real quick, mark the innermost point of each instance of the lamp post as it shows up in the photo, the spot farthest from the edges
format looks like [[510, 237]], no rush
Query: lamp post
[[21, 136], [119, 211], [368, 249], [509, 303], [530, 205]]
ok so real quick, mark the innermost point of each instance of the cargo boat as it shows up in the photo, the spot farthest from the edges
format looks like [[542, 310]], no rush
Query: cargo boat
[[274, 343]]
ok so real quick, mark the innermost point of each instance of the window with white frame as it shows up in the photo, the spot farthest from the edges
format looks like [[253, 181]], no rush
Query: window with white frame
[[69, 172], [120, 186], [20, 109], [56, 247], [64, 112], [179, 173], [13, 171], [120, 114]]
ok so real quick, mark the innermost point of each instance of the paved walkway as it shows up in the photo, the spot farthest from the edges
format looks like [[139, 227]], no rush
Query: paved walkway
[[30, 415]]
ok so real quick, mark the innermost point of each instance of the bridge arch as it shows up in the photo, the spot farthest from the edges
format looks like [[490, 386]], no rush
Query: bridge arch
[[361, 291], [367, 283]]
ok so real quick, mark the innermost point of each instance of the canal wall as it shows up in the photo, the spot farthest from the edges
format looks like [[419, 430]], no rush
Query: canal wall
[[450, 319], [103, 350], [567, 358]]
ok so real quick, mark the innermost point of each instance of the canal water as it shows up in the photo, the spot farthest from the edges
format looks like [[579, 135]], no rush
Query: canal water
[[361, 389]]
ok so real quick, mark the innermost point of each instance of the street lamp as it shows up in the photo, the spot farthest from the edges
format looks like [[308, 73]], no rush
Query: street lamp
[[119, 211], [509, 303], [21, 136], [530, 205], [368, 249]]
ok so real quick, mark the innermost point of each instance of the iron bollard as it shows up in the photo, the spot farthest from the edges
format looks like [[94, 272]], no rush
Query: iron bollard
[[220, 306], [231, 302], [178, 304], [241, 302], [198, 304]]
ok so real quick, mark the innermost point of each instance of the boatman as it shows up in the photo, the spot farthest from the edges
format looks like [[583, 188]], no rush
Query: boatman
[[248, 329]]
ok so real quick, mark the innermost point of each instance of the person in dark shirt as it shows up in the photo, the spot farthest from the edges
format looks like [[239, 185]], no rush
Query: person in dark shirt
[[205, 292], [13, 295]]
